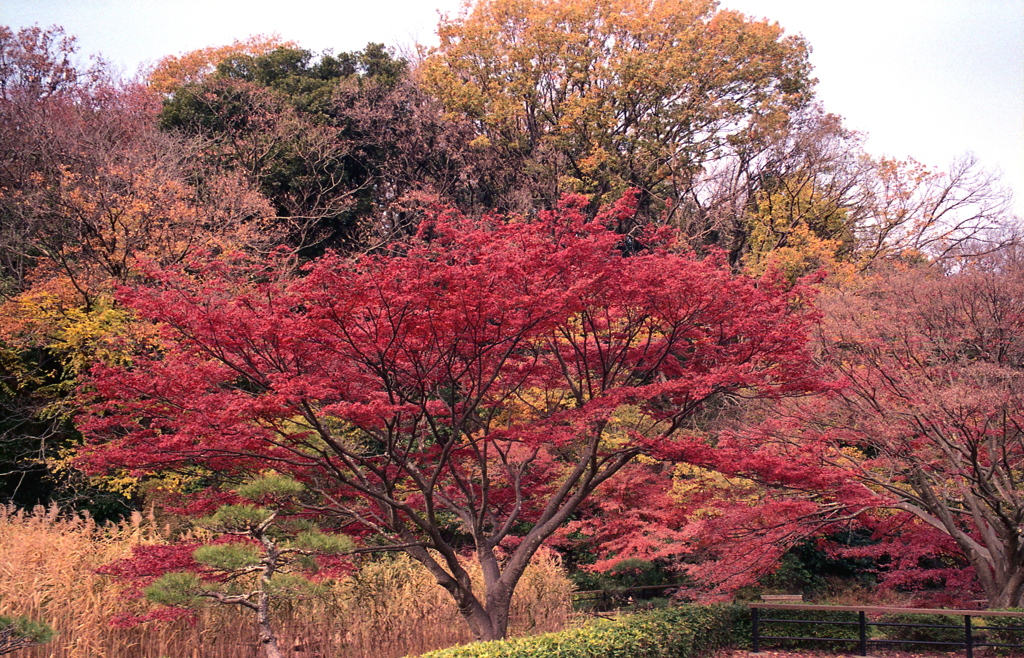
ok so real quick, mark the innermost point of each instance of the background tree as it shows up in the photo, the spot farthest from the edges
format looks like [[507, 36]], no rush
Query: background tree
[[173, 72], [938, 214], [919, 441], [88, 185], [794, 194], [806, 195], [931, 412], [595, 97], [281, 120], [470, 392]]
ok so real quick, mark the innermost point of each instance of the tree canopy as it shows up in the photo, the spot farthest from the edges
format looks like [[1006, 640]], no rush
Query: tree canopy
[[470, 391], [599, 96]]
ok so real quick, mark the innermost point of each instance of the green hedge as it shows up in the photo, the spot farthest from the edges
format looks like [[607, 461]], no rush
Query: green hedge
[[997, 631], [682, 632]]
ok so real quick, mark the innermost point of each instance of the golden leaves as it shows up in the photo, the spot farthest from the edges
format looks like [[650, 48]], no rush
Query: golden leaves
[[626, 91], [175, 71]]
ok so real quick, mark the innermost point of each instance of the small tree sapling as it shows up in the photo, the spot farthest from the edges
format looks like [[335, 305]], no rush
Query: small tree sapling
[[259, 557]]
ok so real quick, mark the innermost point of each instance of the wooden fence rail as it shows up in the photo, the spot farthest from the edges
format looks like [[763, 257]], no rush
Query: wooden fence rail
[[970, 641]]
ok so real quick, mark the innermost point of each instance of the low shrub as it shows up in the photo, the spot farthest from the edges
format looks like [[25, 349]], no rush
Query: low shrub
[[1003, 630], [680, 632]]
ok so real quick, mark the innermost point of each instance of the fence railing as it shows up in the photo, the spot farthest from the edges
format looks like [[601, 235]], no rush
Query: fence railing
[[971, 637]]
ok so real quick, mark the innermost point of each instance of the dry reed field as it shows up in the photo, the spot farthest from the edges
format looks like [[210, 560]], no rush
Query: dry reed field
[[390, 608]]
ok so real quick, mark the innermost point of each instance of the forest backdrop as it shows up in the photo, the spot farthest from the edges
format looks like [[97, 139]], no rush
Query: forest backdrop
[[601, 276]]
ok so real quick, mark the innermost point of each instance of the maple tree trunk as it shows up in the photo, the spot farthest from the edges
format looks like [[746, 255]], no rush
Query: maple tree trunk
[[1005, 592], [483, 622], [498, 615], [480, 619]]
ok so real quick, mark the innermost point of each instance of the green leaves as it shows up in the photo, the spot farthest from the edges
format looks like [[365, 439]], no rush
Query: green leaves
[[315, 541], [177, 589], [228, 557], [32, 630], [237, 518], [270, 485]]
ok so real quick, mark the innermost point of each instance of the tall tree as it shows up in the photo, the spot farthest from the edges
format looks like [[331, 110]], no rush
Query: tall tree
[[920, 438], [793, 191], [593, 96], [805, 194], [281, 119], [469, 391], [936, 214]]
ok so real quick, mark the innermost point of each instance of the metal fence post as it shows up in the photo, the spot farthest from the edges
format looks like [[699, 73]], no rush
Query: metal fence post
[[753, 623], [968, 637], [862, 618]]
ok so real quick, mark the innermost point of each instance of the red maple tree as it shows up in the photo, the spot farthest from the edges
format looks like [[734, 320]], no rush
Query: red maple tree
[[920, 440], [930, 419], [466, 392]]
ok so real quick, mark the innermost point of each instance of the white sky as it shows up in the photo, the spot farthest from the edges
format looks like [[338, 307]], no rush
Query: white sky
[[931, 79]]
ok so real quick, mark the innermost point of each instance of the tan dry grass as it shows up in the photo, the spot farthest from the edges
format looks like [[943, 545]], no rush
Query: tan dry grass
[[394, 608], [391, 608]]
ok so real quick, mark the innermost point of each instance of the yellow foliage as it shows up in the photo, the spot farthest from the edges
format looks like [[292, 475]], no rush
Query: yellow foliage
[[797, 234], [690, 481], [631, 92], [800, 253], [175, 71], [44, 316]]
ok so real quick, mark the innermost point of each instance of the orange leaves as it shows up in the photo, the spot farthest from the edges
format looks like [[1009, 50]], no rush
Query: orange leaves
[[175, 71], [915, 212]]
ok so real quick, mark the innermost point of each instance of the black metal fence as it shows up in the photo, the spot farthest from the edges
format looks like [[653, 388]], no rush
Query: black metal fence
[[971, 637]]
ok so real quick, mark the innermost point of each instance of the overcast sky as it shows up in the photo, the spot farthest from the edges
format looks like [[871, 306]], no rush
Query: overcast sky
[[930, 79]]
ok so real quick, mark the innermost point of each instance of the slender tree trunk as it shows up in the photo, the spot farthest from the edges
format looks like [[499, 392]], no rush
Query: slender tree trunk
[[267, 638]]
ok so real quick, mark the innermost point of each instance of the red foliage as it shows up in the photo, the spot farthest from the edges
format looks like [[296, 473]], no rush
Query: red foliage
[[491, 374], [920, 441], [149, 562]]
